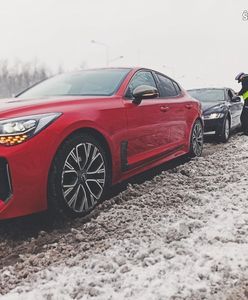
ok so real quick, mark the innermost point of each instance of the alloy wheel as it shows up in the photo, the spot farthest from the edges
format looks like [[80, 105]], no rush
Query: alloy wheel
[[197, 139], [83, 177]]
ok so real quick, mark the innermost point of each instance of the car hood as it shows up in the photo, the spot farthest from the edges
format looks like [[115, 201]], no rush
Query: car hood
[[19, 105], [209, 107]]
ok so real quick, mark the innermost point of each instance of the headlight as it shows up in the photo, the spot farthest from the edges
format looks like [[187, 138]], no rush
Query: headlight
[[214, 116], [18, 130]]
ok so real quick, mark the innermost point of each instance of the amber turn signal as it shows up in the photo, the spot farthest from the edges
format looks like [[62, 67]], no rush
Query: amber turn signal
[[13, 139]]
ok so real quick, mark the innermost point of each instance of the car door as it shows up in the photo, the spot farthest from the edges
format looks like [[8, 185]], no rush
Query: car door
[[148, 133], [179, 110], [235, 108]]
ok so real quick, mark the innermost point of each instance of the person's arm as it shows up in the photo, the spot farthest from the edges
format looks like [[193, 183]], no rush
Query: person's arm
[[241, 92]]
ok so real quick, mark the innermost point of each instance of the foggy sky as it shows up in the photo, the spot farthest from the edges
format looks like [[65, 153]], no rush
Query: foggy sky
[[197, 42]]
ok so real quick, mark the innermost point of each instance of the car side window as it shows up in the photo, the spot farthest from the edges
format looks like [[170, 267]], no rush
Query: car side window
[[178, 90], [140, 78], [167, 87]]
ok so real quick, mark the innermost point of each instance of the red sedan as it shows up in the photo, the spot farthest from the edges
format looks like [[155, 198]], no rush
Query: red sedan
[[65, 141]]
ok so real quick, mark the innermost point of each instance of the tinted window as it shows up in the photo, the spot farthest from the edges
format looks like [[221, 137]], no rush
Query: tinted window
[[166, 86], [208, 95], [102, 82], [140, 78]]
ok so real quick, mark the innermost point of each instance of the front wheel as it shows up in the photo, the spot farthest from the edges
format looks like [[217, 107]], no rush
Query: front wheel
[[79, 176], [196, 141], [225, 133]]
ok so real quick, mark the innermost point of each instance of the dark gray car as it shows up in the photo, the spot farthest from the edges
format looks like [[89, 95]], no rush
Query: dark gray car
[[221, 110]]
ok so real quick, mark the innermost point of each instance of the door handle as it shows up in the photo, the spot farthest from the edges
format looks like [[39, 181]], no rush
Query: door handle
[[164, 108], [189, 106]]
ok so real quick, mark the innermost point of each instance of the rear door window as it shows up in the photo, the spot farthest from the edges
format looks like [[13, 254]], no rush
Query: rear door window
[[167, 87], [178, 90]]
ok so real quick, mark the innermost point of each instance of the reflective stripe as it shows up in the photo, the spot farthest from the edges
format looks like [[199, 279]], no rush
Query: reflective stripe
[[245, 95]]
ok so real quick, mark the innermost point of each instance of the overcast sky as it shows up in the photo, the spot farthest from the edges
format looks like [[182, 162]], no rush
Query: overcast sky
[[198, 42]]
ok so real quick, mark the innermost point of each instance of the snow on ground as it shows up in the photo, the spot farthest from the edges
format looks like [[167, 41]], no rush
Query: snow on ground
[[181, 235]]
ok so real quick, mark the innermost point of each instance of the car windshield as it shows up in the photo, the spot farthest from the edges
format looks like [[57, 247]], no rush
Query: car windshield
[[102, 82], [205, 95]]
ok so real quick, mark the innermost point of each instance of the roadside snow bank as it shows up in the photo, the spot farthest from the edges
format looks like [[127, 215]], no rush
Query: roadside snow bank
[[182, 235]]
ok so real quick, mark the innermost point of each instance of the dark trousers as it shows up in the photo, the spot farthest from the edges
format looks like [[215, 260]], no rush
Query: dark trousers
[[244, 117]]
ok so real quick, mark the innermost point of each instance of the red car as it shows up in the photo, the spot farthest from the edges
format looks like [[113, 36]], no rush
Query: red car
[[65, 141]]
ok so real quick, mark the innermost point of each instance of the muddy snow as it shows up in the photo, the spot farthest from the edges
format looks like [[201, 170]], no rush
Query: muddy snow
[[177, 232]]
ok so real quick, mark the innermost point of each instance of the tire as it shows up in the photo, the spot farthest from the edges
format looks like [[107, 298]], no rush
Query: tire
[[225, 132], [79, 177], [196, 140]]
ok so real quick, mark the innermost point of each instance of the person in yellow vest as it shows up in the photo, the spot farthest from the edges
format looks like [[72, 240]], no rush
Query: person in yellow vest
[[243, 79]]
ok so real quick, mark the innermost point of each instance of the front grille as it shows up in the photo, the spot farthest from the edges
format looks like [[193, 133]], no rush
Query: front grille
[[5, 180]]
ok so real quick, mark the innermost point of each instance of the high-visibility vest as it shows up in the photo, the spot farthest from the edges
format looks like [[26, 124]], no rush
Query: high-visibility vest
[[245, 95]]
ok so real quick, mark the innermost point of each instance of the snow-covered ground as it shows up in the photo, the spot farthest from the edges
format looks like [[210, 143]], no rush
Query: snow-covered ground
[[182, 234]]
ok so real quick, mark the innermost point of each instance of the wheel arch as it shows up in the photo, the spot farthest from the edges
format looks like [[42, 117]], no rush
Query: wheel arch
[[96, 134]]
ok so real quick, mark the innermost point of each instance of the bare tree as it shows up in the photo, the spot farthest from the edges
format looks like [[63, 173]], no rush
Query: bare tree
[[19, 76]]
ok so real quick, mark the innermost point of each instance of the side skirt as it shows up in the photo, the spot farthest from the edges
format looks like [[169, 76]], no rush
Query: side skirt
[[124, 161]]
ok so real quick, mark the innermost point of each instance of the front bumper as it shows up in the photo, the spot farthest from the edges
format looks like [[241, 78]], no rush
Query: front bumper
[[213, 125], [24, 173]]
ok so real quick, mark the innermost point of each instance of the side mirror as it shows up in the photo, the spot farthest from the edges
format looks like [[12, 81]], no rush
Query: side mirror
[[144, 92], [236, 99]]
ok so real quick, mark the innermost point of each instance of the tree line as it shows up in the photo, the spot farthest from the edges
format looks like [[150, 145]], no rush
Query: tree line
[[16, 77]]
